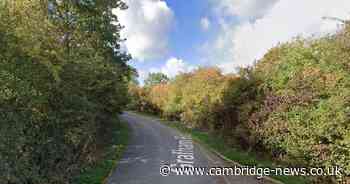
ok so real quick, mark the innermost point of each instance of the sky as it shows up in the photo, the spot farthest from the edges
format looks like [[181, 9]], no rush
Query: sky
[[174, 36]]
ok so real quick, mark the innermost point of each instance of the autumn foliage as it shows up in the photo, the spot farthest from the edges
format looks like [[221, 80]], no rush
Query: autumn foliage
[[293, 105], [63, 80]]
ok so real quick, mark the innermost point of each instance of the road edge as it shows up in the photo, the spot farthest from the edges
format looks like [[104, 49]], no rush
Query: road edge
[[270, 179], [234, 162], [121, 147]]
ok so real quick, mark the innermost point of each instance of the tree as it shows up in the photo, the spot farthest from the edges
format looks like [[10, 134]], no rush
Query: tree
[[155, 79], [62, 80]]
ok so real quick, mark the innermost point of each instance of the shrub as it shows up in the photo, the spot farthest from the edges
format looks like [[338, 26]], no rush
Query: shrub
[[56, 92], [293, 104], [304, 116]]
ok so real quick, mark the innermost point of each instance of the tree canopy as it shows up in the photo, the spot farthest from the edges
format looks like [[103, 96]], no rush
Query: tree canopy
[[63, 78], [155, 79]]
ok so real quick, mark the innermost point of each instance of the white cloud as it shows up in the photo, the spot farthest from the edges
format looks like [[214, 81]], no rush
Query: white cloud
[[205, 23], [147, 24], [245, 9], [241, 45], [142, 75], [175, 66], [172, 67]]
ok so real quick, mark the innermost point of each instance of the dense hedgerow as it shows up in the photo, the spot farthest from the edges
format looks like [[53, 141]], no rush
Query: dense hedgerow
[[305, 114], [293, 104], [191, 97], [61, 78]]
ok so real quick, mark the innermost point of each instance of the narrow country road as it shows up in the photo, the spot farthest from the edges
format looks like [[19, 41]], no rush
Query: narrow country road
[[152, 144]]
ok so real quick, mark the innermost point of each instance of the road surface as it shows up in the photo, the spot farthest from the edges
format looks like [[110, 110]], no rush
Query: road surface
[[153, 144]]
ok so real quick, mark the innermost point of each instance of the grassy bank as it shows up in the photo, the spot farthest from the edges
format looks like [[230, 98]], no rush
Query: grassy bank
[[242, 157], [99, 173]]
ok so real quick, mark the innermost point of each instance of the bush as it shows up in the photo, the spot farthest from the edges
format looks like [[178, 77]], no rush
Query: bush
[[56, 92], [191, 97], [304, 116], [294, 104]]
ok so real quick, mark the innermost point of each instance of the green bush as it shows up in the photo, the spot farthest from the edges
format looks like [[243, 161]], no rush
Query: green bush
[[304, 116], [294, 104], [57, 91]]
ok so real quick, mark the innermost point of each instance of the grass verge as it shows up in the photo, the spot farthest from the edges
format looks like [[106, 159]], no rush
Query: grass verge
[[235, 154], [99, 173]]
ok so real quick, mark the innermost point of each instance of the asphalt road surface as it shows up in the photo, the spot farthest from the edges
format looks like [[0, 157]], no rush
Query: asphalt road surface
[[153, 144]]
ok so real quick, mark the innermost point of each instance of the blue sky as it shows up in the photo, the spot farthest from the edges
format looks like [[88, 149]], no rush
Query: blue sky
[[174, 36], [186, 35]]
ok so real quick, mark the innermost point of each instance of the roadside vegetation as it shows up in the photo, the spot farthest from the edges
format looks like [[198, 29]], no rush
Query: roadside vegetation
[[219, 145], [292, 106], [63, 81], [111, 147]]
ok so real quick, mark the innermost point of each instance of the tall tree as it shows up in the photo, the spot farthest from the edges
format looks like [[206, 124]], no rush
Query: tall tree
[[156, 78], [62, 79]]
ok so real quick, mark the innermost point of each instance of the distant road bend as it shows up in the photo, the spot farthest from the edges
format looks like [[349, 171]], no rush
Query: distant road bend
[[152, 144]]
